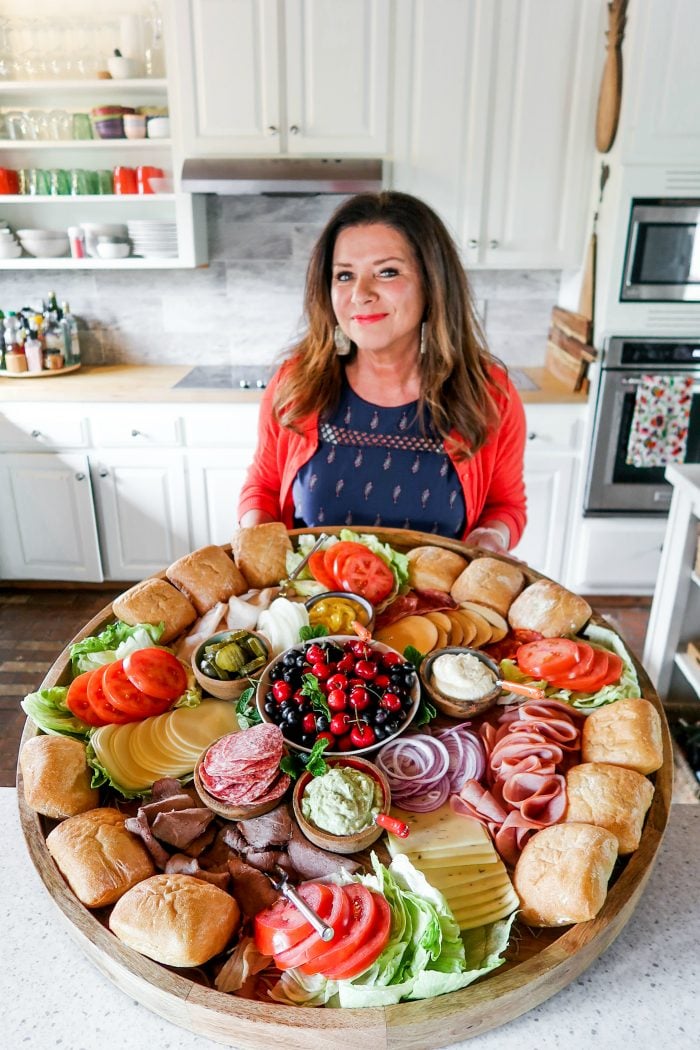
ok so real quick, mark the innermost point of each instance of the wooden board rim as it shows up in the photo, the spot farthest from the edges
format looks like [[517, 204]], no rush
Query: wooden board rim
[[457, 1016]]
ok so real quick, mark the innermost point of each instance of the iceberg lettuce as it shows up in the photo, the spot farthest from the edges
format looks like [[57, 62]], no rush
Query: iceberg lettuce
[[113, 643], [47, 709]]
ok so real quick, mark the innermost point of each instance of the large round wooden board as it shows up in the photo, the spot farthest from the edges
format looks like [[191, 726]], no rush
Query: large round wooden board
[[539, 964]]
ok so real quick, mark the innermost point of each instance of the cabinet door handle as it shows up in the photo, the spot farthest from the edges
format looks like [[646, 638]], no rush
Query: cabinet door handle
[[532, 435], [104, 473], [272, 129], [293, 129], [80, 476], [472, 243], [36, 433], [493, 244], [136, 433]]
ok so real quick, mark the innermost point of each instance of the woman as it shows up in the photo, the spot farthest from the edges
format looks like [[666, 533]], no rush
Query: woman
[[390, 411]]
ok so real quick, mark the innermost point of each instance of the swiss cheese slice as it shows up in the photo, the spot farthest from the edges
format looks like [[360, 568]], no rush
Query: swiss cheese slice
[[441, 832]]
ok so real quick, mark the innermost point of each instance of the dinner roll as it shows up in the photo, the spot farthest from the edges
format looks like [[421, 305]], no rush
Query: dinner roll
[[433, 568], [207, 576], [610, 797], [98, 857], [260, 552], [624, 733], [153, 601], [562, 874], [57, 777], [489, 581], [547, 607], [176, 919]]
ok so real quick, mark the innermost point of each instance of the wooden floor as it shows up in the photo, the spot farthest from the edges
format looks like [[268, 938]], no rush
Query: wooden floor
[[36, 624]]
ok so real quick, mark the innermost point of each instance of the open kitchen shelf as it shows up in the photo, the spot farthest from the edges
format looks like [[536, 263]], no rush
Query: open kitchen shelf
[[89, 198], [90, 144], [690, 670], [139, 85], [132, 262]]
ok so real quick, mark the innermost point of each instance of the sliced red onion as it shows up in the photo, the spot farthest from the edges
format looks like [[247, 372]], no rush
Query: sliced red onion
[[467, 754], [424, 770]]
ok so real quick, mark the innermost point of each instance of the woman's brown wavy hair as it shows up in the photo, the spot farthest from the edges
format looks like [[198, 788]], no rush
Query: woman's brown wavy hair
[[456, 387]]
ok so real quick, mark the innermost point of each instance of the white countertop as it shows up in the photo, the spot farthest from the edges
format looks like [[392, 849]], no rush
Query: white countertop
[[643, 992]]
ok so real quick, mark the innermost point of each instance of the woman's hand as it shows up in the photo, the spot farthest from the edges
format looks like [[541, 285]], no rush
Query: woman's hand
[[255, 517], [493, 537]]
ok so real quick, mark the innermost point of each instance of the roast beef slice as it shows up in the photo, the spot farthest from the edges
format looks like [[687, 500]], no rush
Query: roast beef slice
[[180, 864], [138, 825], [271, 829], [251, 888], [181, 827], [312, 862]]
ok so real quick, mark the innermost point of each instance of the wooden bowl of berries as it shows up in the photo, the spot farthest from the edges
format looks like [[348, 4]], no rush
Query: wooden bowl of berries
[[355, 694]]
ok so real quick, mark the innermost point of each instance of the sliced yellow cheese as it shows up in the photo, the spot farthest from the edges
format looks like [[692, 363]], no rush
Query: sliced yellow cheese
[[469, 918], [148, 746], [442, 832], [103, 743], [198, 727], [477, 900], [454, 888], [478, 855]]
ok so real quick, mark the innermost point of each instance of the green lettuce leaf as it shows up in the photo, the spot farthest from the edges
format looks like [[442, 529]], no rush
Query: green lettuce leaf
[[115, 642], [47, 709], [101, 777], [398, 563], [305, 584]]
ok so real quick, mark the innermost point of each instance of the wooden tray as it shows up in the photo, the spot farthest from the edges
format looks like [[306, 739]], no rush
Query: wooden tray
[[539, 964], [46, 373]]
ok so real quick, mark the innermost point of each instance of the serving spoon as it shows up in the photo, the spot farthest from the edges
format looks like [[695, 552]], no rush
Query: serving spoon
[[281, 882]]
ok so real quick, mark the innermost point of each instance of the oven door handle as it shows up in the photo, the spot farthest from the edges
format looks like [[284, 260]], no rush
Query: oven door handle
[[636, 381]]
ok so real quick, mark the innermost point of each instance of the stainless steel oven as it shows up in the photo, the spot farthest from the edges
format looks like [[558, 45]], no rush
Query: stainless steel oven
[[613, 485], [662, 256]]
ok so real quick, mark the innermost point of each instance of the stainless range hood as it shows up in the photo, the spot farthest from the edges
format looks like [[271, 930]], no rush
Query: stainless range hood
[[281, 175]]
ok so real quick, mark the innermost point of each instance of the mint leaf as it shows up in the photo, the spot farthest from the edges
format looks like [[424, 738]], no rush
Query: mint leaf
[[315, 763], [413, 656], [426, 712], [307, 633], [291, 765], [311, 688], [246, 711]]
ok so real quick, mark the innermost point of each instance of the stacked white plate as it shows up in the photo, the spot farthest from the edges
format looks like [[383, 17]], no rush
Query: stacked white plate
[[152, 239]]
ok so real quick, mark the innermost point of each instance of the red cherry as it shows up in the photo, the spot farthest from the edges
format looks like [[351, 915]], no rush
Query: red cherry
[[337, 701], [322, 671], [337, 681], [347, 663], [315, 654], [391, 659], [345, 743], [381, 681], [366, 669], [281, 691], [340, 723], [309, 723], [390, 702], [330, 738], [359, 698], [362, 735], [360, 649]]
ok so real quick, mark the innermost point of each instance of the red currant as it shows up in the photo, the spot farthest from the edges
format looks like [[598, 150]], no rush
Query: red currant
[[340, 723], [337, 701], [362, 735], [366, 669], [281, 691], [390, 702]]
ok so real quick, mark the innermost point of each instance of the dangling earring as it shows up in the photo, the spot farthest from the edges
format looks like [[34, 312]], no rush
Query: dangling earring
[[342, 344], [422, 340]]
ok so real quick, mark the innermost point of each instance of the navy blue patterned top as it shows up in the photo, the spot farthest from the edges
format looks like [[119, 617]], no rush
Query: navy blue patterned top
[[373, 466]]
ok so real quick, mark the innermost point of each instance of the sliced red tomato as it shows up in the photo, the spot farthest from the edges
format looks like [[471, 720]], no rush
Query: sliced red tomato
[[281, 926], [341, 950], [78, 703], [548, 657], [588, 683], [370, 949], [319, 571], [585, 662], [100, 702], [156, 673], [615, 665], [336, 552], [312, 946], [368, 575], [124, 695]]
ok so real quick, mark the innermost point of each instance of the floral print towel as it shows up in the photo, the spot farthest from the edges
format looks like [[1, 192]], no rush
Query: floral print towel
[[659, 430]]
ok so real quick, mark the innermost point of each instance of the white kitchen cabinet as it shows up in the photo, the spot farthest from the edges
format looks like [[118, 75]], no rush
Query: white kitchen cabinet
[[215, 480], [265, 77], [659, 120], [493, 123], [48, 529], [142, 510], [617, 555]]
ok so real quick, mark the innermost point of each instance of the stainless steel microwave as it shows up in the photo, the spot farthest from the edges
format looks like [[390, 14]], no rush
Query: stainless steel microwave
[[662, 258]]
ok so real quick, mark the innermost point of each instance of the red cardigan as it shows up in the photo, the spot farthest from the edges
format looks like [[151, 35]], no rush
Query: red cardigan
[[492, 480]]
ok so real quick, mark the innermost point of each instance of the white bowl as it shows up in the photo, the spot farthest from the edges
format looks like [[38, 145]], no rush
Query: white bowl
[[134, 125], [112, 250], [45, 249], [158, 127], [121, 68], [93, 230], [44, 235], [10, 250]]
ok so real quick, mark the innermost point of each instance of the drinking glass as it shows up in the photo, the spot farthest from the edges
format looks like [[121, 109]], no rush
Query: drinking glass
[[125, 180], [60, 124], [38, 125], [9, 181], [39, 182], [17, 127], [93, 183], [105, 181], [82, 126], [144, 174], [79, 185], [23, 180], [59, 182]]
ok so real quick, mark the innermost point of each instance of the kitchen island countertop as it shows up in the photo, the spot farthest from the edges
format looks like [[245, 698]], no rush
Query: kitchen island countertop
[[642, 991], [156, 384]]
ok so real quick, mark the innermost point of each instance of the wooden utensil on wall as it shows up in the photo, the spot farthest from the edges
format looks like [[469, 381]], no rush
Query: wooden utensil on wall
[[610, 95]]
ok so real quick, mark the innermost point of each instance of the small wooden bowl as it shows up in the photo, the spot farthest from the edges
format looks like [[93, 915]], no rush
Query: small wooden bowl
[[450, 705], [361, 602], [232, 689], [223, 809], [342, 843]]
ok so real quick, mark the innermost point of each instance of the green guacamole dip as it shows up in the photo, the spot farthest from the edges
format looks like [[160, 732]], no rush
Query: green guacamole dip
[[343, 801]]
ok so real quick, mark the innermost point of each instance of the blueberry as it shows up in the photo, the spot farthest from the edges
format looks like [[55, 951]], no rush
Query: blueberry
[[322, 724], [292, 718], [270, 707], [308, 739], [393, 726], [289, 659], [380, 717]]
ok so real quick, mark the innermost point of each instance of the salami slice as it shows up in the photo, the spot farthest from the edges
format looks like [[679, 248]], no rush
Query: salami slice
[[244, 768]]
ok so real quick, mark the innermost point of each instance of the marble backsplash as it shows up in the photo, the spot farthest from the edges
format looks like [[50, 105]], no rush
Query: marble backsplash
[[245, 307]]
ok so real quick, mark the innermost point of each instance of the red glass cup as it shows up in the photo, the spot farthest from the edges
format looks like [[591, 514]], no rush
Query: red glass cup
[[9, 181], [125, 180], [144, 174]]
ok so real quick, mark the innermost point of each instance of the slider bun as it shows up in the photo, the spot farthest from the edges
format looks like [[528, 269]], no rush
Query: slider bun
[[207, 576], [610, 797], [562, 874], [260, 552], [99, 859], [547, 607], [176, 919], [624, 733], [489, 581], [434, 569], [152, 601], [57, 777]]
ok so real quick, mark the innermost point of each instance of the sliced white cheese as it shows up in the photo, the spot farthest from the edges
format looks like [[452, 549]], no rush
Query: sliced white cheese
[[198, 727], [469, 918], [126, 776], [457, 887], [441, 832]]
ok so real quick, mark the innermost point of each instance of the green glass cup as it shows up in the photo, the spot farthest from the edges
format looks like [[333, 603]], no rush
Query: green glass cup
[[23, 180], [39, 182], [82, 126], [105, 183], [59, 182], [93, 183], [79, 185]]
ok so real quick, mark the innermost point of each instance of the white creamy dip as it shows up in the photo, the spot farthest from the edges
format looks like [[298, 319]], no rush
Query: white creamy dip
[[462, 676]]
